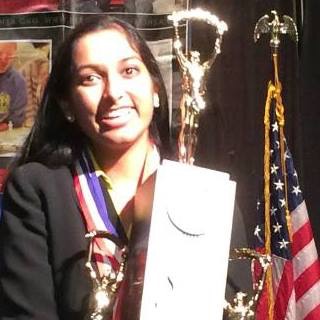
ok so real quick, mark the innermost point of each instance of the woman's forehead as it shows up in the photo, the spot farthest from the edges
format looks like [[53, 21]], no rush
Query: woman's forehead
[[108, 39], [104, 45]]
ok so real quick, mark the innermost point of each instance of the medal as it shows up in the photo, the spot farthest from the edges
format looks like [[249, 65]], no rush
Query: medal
[[105, 287]]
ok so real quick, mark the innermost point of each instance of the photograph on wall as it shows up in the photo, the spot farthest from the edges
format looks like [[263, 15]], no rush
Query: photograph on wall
[[24, 70]]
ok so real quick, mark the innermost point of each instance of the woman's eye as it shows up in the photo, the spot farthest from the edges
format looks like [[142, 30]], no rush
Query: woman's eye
[[90, 79], [131, 71]]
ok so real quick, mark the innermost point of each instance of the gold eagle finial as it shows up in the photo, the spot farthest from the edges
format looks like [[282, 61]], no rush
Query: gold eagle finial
[[275, 28]]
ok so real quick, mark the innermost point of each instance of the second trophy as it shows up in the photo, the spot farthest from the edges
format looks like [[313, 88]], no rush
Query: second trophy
[[194, 74]]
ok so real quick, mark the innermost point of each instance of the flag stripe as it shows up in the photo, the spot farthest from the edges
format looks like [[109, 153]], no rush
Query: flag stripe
[[284, 292], [307, 279], [301, 238], [291, 310], [314, 314], [277, 270], [299, 216], [304, 258], [308, 302]]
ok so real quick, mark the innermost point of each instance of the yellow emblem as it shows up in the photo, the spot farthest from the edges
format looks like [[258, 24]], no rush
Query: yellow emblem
[[4, 102]]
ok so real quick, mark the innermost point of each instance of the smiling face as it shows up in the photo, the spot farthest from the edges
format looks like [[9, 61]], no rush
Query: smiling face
[[7, 55], [112, 91]]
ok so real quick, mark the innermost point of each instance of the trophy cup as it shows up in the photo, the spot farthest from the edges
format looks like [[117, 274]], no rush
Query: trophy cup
[[194, 74]]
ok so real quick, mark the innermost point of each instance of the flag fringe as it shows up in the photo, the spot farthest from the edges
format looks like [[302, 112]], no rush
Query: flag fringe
[[267, 196]]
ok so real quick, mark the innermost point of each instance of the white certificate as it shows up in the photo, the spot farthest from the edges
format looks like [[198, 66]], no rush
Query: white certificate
[[188, 250]]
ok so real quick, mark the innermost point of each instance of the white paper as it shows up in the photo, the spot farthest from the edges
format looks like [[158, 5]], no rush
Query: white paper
[[189, 240]]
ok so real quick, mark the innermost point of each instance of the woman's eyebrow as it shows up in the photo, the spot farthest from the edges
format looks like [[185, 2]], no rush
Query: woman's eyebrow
[[102, 67], [133, 57], [95, 66]]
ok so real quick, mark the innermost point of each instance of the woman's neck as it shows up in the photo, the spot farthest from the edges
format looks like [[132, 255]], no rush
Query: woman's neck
[[127, 170], [124, 165], [129, 167]]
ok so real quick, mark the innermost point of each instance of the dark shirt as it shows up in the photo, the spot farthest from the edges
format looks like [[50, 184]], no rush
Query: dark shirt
[[13, 97]]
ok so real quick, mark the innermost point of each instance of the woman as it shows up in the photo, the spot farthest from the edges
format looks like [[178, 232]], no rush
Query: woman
[[98, 137]]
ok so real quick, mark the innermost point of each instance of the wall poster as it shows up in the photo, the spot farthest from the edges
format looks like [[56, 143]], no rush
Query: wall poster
[[24, 69]]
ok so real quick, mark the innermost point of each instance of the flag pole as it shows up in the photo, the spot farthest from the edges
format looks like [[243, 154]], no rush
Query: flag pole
[[275, 28]]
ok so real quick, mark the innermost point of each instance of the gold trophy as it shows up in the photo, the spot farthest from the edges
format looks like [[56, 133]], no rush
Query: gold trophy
[[243, 307], [194, 74]]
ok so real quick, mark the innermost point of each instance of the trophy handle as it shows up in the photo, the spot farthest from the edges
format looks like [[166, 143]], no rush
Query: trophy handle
[[243, 307]]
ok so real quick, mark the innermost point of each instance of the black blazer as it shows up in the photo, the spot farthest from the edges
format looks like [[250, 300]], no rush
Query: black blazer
[[42, 247]]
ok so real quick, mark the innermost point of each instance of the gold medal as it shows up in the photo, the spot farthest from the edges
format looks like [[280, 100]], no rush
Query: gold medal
[[105, 287]]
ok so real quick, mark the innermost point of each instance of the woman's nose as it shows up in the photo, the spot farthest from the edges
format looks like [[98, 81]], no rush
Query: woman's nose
[[114, 88]]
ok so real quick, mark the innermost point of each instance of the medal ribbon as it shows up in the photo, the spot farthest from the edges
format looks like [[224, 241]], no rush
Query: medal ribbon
[[95, 213]]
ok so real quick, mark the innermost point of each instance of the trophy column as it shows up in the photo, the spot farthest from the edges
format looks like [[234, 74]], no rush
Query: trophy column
[[194, 76]]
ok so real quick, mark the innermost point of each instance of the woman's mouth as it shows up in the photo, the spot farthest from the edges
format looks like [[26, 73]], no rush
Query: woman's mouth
[[119, 112], [117, 117]]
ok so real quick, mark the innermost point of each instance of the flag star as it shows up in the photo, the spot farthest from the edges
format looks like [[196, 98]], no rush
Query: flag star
[[278, 144], [296, 190], [277, 227], [273, 211], [295, 173], [274, 168], [279, 185], [275, 127], [283, 244], [282, 202], [286, 154], [257, 231], [271, 151]]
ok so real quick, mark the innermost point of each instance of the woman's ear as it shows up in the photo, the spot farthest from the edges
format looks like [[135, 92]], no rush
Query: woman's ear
[[65, 107], [156, 100]]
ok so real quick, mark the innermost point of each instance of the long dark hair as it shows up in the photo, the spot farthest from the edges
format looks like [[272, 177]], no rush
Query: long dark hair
[[55, 141]]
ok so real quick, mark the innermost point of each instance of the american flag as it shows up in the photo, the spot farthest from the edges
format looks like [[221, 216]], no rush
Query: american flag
[[295, 269]]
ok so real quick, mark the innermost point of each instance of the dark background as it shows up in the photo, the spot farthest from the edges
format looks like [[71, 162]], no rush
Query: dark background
[[231, 132]]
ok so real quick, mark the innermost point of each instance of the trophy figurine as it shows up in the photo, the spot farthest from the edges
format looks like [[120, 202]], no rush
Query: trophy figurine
[[194, 74]]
